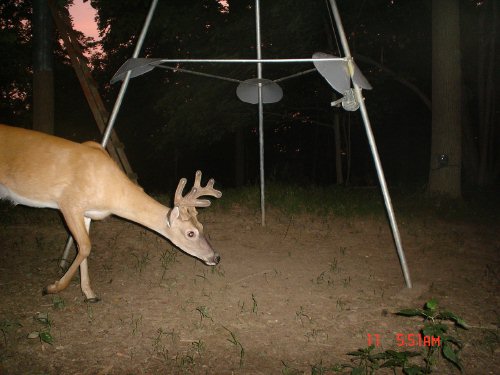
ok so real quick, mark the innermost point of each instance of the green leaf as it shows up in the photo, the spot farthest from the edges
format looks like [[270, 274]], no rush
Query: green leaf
[[434, 329], [448, 315], [46, 337], [451, 355], [42, 318], [58, 302], [358, 371], [357, 353], [392, 363], [431, 304], [414, 370], [411, 312], [362, 352]]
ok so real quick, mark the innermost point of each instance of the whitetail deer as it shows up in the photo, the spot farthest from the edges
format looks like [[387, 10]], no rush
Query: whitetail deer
[[84, 183]]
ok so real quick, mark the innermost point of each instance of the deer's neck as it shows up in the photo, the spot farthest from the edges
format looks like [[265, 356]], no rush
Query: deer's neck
[[135, 205]]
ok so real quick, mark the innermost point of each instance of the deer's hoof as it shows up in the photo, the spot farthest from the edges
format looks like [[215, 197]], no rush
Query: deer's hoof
[[92, 300]]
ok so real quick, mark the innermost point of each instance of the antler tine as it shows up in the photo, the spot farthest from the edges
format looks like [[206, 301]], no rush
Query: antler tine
[[178, 198], [191, 198]]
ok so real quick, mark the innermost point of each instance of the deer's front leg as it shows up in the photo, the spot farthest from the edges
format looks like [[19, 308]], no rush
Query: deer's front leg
[[77, 226], [90, 296]]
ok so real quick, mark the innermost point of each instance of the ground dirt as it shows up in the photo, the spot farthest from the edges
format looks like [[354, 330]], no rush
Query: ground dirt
[[294, 297]]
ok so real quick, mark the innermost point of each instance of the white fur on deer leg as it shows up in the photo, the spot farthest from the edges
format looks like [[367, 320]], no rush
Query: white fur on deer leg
[[90, 296]]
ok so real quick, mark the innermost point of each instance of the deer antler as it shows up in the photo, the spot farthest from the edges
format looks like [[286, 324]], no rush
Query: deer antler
[[191, 198]]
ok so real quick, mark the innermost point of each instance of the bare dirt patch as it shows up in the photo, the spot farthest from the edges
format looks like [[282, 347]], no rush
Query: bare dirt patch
[[300, 292]]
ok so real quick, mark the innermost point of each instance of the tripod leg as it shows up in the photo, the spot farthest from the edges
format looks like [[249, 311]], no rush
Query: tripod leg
[[63, 263]]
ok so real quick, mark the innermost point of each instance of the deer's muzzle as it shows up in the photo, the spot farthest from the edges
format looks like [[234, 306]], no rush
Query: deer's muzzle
[[213, 261]]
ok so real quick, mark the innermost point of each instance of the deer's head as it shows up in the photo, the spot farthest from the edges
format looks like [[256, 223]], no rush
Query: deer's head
[[186, 230]]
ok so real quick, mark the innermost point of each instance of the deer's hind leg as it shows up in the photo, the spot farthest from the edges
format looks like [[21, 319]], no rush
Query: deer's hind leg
[[78, 228]]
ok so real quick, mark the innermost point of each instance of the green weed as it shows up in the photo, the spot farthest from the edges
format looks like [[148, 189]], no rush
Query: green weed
[[168, 258], [300, 315], [141, 261], [58, 302], [44, 334], [135, 322], [6, 326], [234, 340], [254, 304], [434, 326], [204, 313], [287, 370]]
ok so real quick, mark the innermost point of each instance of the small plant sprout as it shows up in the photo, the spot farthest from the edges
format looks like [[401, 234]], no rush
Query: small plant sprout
[[320, 369], [320, 279], [203, 310], [6, 326], [44, 334], [300, 315], [288, 370], [341, 305], [168, 258], [346, 282], [135, 322], [198, 347], [141, 261], [58, 302], [234, 340], [159, 348], [254, 304], [334, 268], [218, 270]]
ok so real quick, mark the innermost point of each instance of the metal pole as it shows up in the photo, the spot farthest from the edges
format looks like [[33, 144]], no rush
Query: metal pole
[[373, 147], [107, 133], [250, 61], [261, 116], [123, 88]]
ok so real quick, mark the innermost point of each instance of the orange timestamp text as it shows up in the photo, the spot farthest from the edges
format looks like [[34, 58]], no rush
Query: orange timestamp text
[[406, 339]]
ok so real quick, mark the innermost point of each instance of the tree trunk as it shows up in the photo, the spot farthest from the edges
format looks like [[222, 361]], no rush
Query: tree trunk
[[43, 73], [486, 94], [446, 150]]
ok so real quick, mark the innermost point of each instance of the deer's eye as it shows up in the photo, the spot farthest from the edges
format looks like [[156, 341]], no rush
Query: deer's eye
[[191, 234]]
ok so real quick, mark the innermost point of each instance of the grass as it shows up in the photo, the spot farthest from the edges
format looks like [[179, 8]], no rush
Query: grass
[[204, 313], [234, 340], [167, 258], [350, 202], [6, 326], [141, 261], [297, 199]]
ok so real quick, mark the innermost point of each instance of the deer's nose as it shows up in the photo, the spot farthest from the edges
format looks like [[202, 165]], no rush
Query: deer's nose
[[217, 258]]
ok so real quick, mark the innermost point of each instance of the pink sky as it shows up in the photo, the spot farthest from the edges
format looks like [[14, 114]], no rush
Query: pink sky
[[83, 18]]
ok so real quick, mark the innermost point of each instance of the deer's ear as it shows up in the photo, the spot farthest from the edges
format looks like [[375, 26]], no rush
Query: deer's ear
[[172, 216]]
